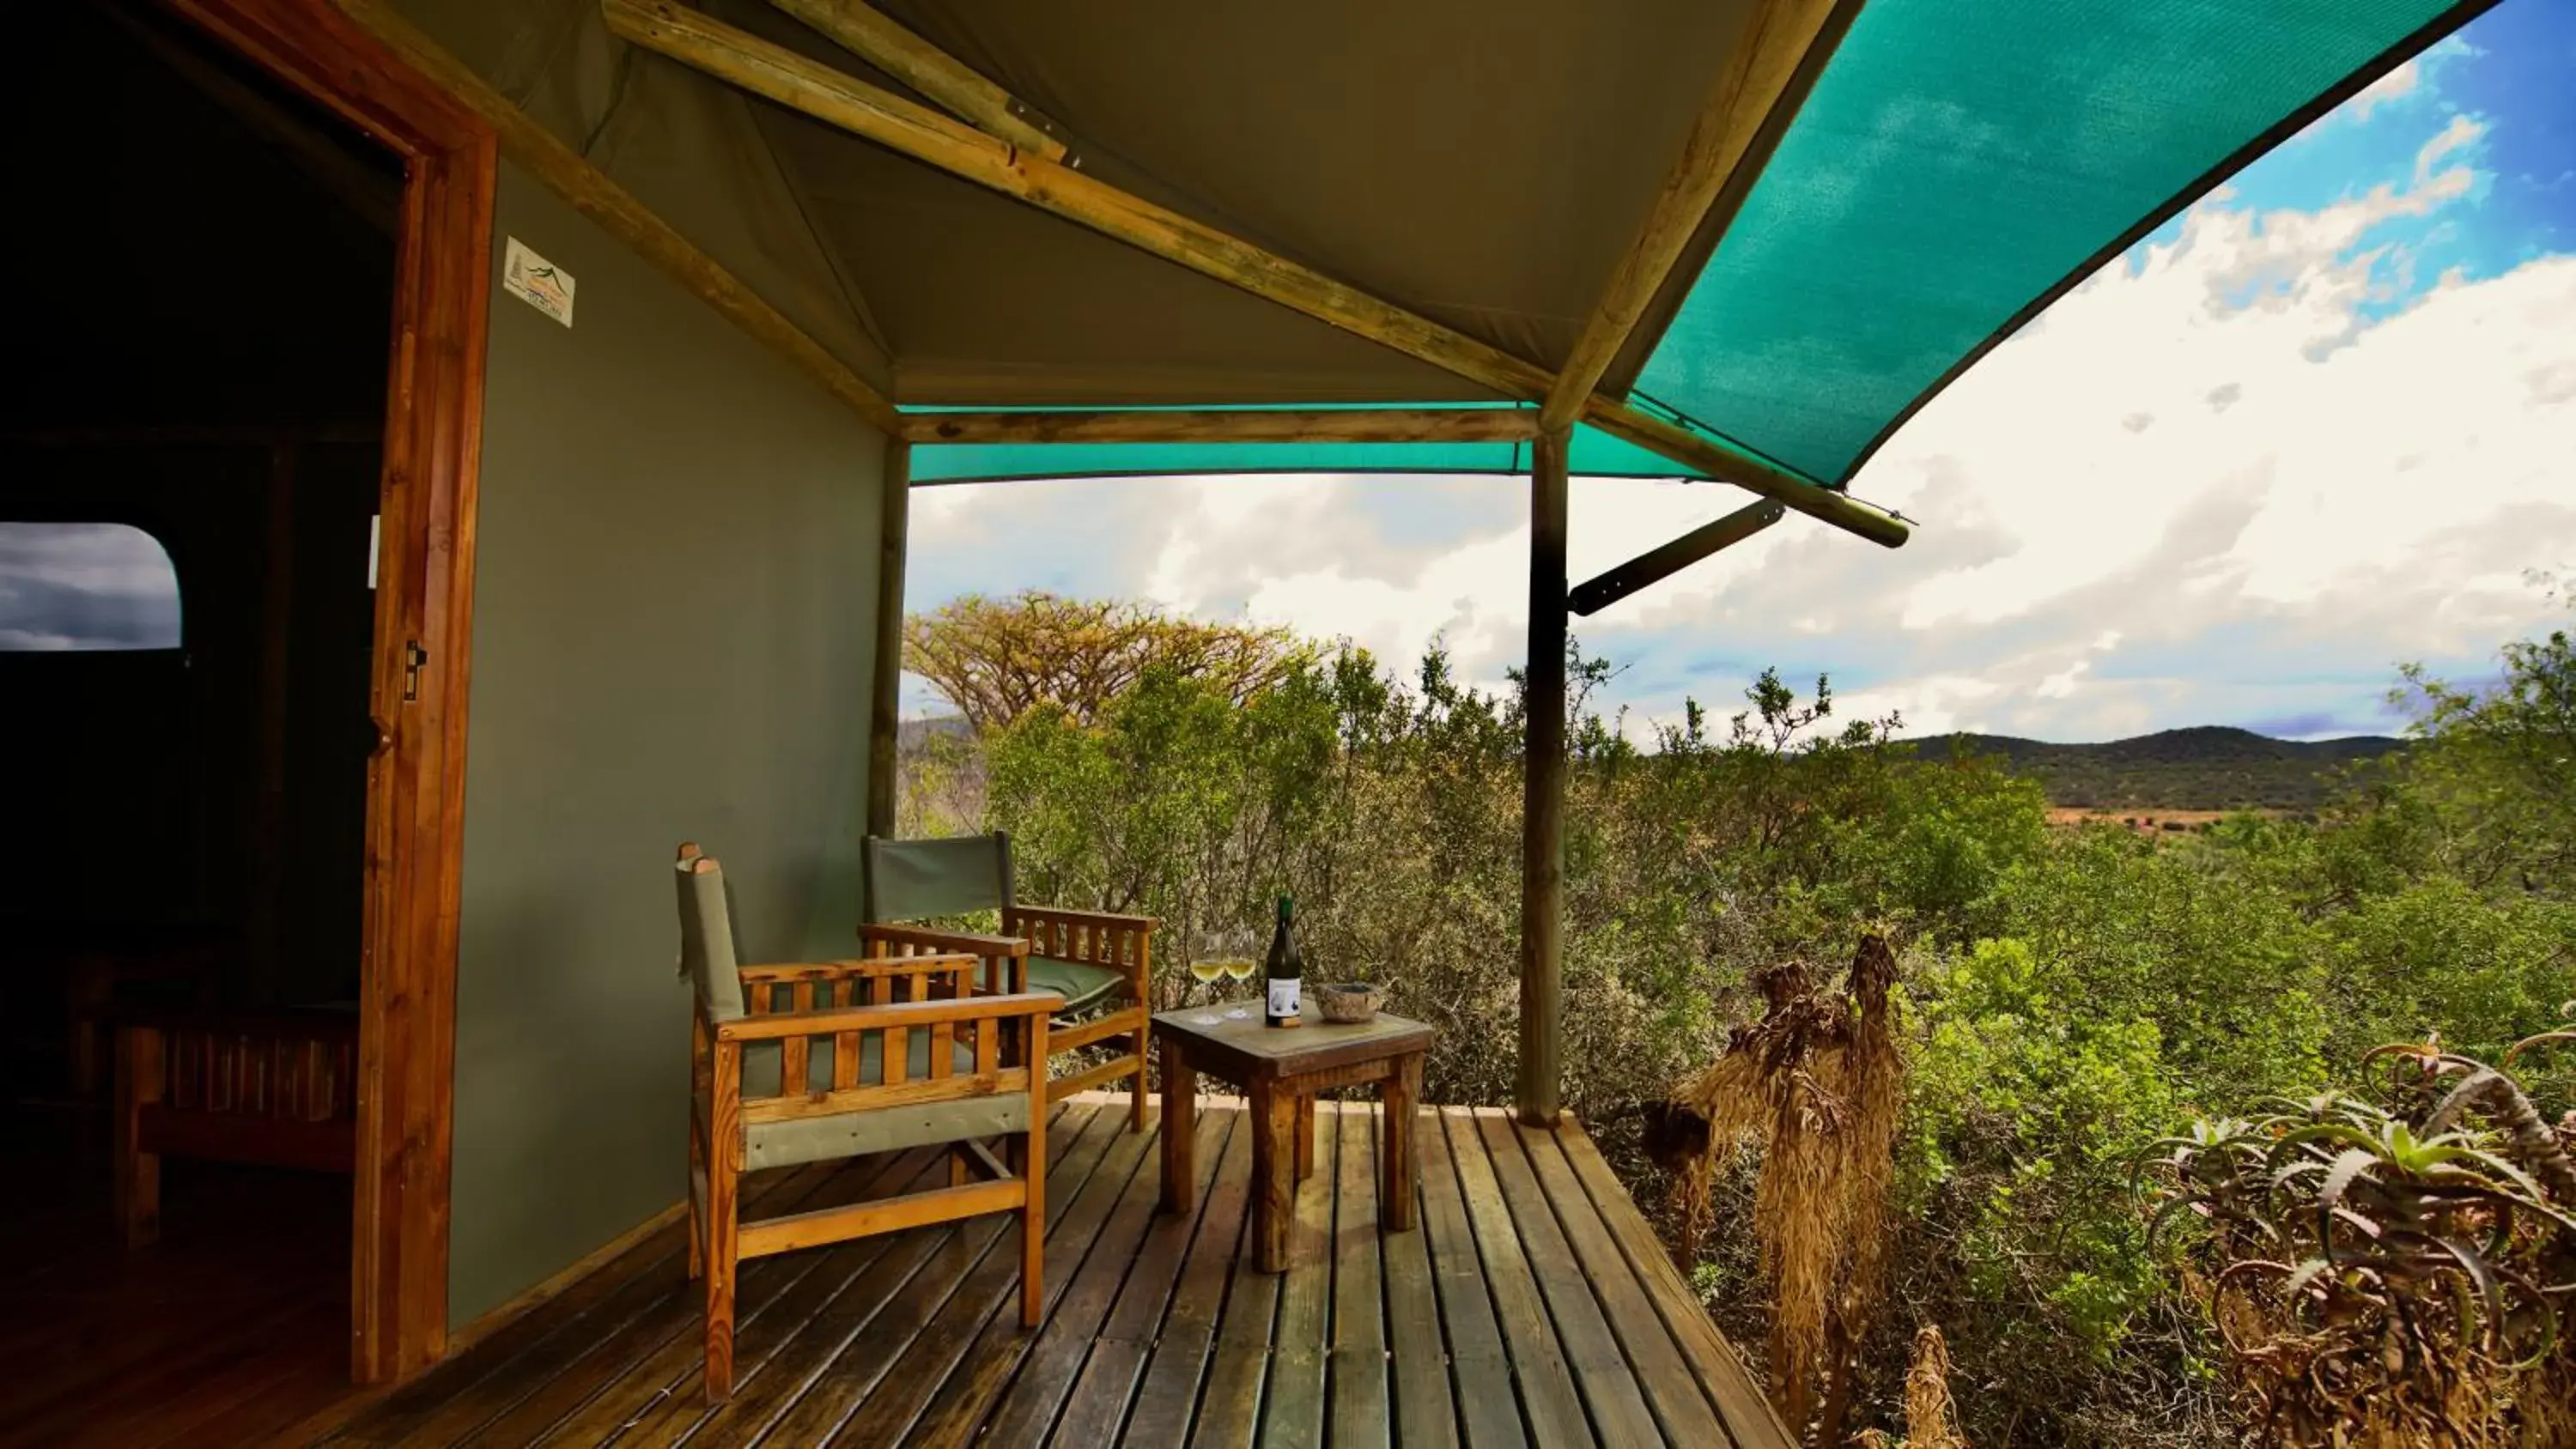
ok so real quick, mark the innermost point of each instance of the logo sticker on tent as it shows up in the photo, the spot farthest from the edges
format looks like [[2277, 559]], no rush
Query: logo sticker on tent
[[538, 282]]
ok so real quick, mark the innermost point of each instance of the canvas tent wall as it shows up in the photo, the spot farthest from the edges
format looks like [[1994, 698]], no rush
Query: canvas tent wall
[[674, 626]]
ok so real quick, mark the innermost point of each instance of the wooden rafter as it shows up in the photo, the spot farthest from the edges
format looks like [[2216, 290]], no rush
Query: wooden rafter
[[779, 74], [871, 112], [1657, 564], [881, 41], [1230, 425], [1777, 36]]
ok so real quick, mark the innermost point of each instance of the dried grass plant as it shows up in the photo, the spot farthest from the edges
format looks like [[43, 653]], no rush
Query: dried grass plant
[[1816, 1086]]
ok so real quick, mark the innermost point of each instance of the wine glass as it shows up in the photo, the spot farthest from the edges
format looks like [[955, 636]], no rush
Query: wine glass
[[1238, 968], [1207, 963]]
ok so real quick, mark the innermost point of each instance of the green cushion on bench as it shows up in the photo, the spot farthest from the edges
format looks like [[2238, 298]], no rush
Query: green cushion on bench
[[1081, 984]]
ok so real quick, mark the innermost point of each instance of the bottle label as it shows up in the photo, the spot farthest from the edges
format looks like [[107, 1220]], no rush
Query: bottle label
[[1283, 997]]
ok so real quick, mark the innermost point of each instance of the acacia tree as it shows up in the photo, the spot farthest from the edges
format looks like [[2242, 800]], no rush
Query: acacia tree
[[996, 659]]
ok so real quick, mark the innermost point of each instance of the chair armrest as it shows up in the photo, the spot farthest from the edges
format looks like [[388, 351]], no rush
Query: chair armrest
[[855, 968], [1143, 925], [967, 941], [782, 1024], [1006, 958]]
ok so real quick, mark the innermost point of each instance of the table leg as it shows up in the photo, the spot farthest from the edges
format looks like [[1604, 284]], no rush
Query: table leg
[[1274, 1175], [1401, 1095], [1180, 1112], [1305, 1135]]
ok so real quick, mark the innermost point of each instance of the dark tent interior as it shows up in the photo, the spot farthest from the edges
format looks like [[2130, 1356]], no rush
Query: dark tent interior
[[198, 285]]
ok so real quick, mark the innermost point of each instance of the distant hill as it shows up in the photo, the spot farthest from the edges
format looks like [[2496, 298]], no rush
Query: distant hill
[[2208, 767]]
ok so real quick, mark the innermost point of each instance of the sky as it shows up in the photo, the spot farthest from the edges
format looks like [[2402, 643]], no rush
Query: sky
[[2322, 423]]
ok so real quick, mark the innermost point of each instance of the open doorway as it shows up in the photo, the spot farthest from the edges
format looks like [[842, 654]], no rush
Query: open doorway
[[206, 272], [236, 471]]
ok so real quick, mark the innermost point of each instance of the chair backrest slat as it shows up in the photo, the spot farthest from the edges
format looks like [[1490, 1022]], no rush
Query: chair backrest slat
[[706, 939], [911, 880]]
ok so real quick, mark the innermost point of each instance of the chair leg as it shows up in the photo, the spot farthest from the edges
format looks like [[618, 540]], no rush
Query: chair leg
[[697, 1214], [1033, 1169], [724, 1235], [140, 1067], [1136, 1087], [720, 1266]]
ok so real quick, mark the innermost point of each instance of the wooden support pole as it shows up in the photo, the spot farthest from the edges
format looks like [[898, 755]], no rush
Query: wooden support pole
[[881, 41], [885, 720], [1777, 36], [1543, 790], [1230, 425], [1657, 564]]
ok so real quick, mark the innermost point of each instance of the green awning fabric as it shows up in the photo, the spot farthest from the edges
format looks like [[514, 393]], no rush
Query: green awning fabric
[[1593, 453], [1957, 167], [1954, 169]]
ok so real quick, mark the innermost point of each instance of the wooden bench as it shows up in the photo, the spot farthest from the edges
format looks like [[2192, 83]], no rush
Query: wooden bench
[[273, 1088]]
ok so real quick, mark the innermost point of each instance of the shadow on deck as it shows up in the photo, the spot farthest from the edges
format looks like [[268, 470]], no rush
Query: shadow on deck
[[1533, 1306]]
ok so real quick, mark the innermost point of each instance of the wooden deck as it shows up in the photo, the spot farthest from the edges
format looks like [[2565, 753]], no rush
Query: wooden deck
[[1533, 1306]]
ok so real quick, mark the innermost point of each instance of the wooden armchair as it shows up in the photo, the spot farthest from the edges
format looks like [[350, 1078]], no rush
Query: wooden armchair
[[1099, 962], [908, 1055]]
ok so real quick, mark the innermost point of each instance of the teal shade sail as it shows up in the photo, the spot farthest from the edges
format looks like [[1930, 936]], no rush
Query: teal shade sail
[[1593, 453], [1959, 165]]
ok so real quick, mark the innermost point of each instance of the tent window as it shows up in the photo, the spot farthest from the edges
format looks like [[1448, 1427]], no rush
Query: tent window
[[85, 586]]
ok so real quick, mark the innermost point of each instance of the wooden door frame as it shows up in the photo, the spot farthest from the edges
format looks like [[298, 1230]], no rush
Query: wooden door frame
[[424, 608]]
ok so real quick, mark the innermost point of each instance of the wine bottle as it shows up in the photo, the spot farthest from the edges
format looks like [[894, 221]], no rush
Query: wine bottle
[[1285, 975]]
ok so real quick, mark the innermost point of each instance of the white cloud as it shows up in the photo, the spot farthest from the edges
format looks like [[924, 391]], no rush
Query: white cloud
[[2396, 85]]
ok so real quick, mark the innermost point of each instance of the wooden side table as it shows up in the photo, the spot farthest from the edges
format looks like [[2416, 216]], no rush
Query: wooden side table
[[1280, 1070]]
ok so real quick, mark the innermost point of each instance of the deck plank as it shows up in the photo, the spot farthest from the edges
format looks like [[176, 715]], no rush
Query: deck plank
[[761, 1398], [1168, 1393], [1731, 1390], [1531, 1305], [1292, 1407], [842, 1385], [954, 1343], [1095, 1402], [1490, 1418], [1539, 1368], [584, 1405], [1028, 1406], [1661, 1373], [1357, 1380], [523, 1361], [1425, 1414], [679, 1404], [1602, 1372], [767, 1291]]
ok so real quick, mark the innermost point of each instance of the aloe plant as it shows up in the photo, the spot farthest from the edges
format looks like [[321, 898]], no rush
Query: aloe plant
[[2392, 1268]]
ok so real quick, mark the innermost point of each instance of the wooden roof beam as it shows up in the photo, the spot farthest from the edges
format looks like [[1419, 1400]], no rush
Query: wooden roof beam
[[883, 42], [1230, 425], [1777, 36], [1751, 474], [873, 113], [876, 114]]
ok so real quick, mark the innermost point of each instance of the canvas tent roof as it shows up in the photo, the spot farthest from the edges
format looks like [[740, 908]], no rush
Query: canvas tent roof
[[1481, 163]]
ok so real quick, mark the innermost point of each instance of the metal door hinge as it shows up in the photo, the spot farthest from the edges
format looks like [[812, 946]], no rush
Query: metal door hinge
[[413, 658]]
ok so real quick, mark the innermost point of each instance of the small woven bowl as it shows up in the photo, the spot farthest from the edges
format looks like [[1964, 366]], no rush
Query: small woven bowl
[[1348, 1001]]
